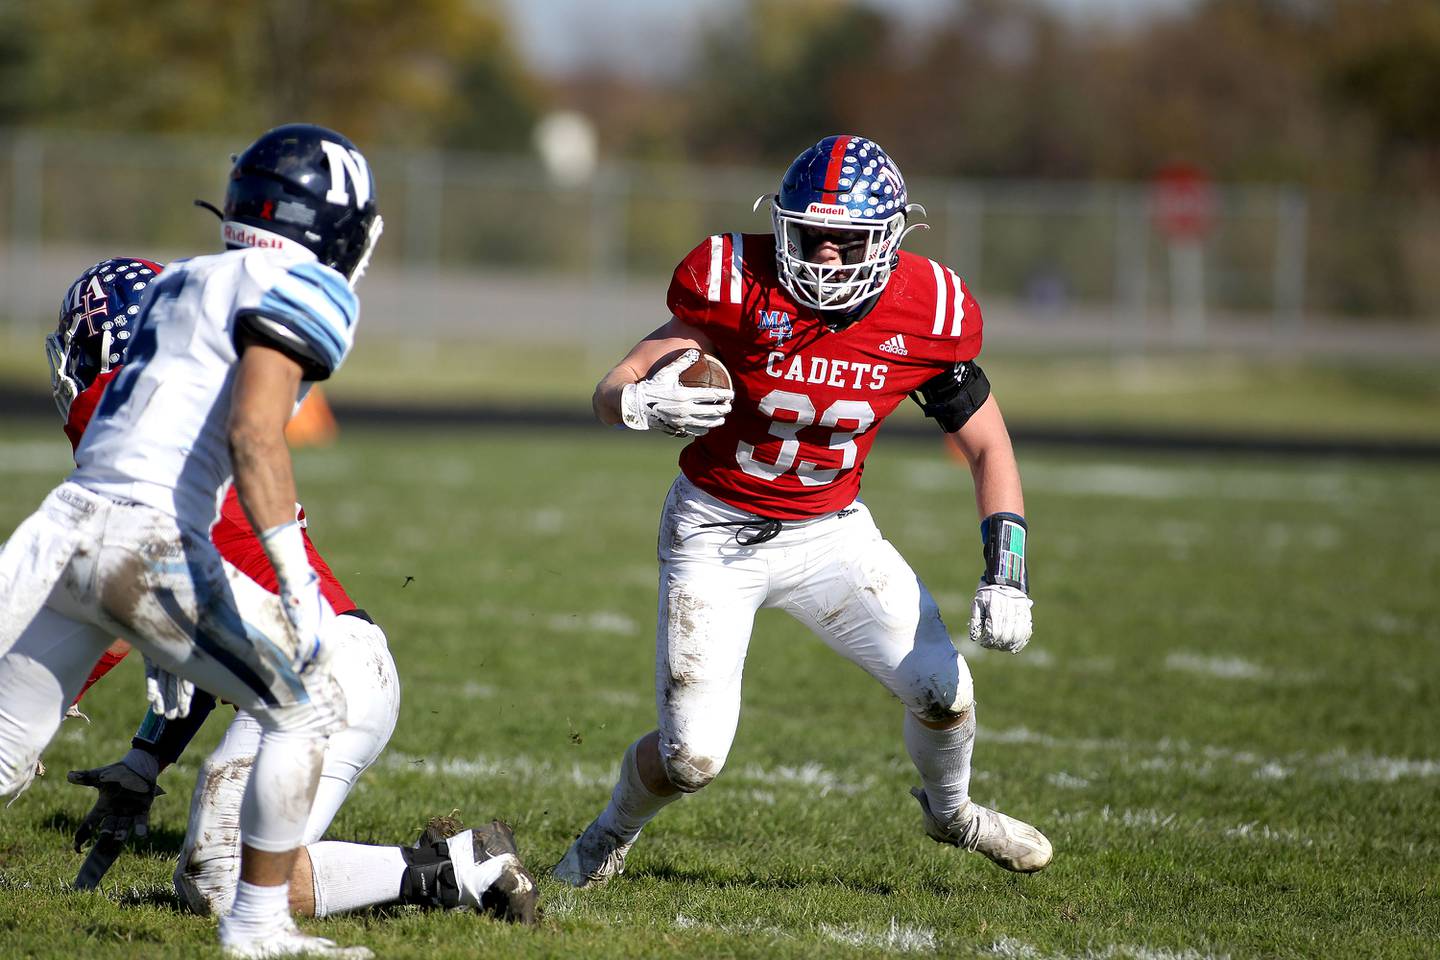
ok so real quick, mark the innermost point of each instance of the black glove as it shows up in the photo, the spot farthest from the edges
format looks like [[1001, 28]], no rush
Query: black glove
[[121, 810]]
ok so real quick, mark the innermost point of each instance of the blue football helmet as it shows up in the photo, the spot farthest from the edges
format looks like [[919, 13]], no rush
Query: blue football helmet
[[96, 318], [848, 191], [303, 184]]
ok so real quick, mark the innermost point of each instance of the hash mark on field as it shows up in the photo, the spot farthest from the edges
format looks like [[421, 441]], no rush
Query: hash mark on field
[[1229, 668], [1012, 949], [1148, 819], [1167, 754], [901, 937], [811, 776]]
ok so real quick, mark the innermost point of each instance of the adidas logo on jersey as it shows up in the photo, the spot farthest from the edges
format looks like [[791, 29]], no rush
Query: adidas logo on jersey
[[895, 345]]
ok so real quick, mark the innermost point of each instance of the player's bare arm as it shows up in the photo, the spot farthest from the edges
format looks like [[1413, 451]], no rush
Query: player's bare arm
[[666, 339], [985, 443], [263, 396], [637, 395], [1000, 613]]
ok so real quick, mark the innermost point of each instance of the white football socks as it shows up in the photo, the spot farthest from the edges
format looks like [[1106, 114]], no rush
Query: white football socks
[[349, 876], [257, 912], [632, 805], [943, 759]]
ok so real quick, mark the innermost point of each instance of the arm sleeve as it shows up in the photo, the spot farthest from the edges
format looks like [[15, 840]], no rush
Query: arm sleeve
[[167, 739], [304, 309]]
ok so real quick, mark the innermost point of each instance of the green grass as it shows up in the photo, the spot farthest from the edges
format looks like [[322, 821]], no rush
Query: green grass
[[1199, 393], [1227, 722]]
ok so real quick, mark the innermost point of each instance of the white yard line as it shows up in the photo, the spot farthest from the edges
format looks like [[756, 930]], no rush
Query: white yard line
[[1009, 948], [813, 778], [1167, 754]]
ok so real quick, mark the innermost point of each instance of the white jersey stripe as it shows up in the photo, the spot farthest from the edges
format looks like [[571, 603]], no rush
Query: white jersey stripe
[[957, 319], [717, 248], [737, 254], [939, 299]]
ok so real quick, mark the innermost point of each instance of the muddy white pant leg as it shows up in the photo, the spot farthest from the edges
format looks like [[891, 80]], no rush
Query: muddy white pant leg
[[209, 864], [38, 678], [365, 671]]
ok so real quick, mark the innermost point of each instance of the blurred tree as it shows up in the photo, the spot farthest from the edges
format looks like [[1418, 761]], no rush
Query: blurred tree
[[781, 78], [423, 71]]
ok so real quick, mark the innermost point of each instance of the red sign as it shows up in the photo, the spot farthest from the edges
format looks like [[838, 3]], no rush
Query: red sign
[[1182, 201]]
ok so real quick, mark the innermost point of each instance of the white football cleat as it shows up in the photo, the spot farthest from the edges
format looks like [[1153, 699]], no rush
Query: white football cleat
[[1012, 844], [594, 857], [286, 940]]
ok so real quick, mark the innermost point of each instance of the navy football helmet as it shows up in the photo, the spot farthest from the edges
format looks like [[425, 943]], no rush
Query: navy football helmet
[[848, 191], [96, 318], [303, 184]]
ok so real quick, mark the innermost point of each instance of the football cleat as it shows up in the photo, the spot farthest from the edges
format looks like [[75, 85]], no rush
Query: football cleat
[[452, 868], [594, 857], [1010, 843], [285, 941]]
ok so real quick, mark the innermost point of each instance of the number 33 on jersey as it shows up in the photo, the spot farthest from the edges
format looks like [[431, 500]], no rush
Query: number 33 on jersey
[[808, 399]]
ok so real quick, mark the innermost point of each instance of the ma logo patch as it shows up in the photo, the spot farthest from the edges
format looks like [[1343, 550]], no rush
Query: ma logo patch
[[776, 324]]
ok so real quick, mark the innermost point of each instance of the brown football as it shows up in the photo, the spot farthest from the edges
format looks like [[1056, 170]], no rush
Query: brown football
[[706, 372]]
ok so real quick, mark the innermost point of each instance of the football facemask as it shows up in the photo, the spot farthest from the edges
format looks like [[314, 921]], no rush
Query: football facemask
[[847, 191]]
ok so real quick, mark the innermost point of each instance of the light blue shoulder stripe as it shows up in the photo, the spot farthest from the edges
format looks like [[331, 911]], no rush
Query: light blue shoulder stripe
[[317, 304]]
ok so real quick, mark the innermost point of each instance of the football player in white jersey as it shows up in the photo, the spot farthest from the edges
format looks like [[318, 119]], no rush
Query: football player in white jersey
[[222, 349], [87, 352]]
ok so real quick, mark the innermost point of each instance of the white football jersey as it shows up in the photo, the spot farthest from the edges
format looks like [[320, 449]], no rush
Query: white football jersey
[[159, 436]]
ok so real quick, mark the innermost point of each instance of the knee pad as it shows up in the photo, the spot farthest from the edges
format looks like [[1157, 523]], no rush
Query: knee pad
[[689, 771], [944, 695]]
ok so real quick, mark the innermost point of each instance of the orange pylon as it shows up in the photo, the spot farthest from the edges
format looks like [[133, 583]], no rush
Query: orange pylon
[[313, 424]]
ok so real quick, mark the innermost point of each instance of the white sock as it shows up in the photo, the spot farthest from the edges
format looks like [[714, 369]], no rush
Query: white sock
[[349, 876], [943, 759], [257, 911], [632, 805]]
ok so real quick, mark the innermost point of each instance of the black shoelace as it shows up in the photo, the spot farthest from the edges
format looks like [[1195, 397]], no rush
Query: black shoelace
[[748, 533]]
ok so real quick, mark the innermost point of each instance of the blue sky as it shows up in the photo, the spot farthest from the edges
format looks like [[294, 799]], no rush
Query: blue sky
[[655, 37]]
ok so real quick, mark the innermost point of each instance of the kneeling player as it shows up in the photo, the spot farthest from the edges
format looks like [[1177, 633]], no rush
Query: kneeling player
[[826, 326], [448, 867]]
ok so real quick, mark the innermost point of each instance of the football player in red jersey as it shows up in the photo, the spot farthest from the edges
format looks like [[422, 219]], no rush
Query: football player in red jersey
[[86, 353], [825, 327]]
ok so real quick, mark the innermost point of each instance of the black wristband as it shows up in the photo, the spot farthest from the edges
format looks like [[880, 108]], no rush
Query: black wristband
[[1004, 536]]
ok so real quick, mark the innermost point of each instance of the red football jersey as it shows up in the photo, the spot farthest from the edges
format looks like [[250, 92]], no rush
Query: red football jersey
[[232, 533], [808, 400]]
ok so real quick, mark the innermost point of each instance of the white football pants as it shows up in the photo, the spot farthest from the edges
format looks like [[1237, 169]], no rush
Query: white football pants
[[834, 573], [84, 569], [209, 864]]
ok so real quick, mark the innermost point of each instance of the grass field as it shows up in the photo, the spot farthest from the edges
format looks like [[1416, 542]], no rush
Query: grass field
[[1366, 398], [1228, 722]]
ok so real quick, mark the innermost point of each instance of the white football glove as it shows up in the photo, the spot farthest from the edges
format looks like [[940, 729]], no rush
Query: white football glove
[[300, 596], [168, 694], [1000, 617], [664, 403]]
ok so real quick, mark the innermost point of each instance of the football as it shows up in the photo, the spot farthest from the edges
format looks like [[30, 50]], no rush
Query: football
[[706, 372]]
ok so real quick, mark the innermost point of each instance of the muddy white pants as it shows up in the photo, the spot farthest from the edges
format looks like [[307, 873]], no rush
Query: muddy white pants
[[84, 569], [210, 859], [835, 573]]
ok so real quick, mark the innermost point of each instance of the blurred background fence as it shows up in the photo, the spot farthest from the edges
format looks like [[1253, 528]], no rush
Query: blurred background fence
[[492, 246]]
